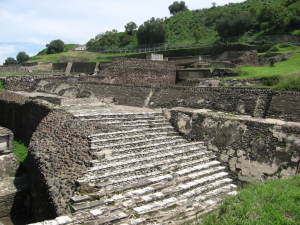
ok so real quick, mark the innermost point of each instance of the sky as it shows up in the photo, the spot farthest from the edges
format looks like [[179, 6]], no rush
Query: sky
[[28, 25]]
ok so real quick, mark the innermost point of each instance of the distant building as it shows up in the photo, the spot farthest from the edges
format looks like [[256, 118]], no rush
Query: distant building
[[82, 48]]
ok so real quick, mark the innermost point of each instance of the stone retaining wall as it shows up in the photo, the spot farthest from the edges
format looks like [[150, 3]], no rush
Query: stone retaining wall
[[140, 72], [253, 148], [20, 115], [58, 154], [184, 74], [258, 102]]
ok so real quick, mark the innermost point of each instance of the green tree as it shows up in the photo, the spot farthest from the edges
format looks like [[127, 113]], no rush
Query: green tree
[[55, 46], [177, 7], [22, 57], [126, 39], [152, 31], [236, 22], [10, 61], [130, 27]]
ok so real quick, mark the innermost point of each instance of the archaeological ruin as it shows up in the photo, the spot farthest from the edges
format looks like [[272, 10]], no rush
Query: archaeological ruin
[[143, 142]]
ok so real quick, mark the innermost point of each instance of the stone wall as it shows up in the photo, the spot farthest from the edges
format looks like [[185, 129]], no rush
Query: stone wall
[[20, 115], [60, 66], [184, 74], [58, 154], [258, 102], [78, 67], [140, 72], [253, 148]]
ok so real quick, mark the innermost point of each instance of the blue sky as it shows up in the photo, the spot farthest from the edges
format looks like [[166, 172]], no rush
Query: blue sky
[[28, 25]]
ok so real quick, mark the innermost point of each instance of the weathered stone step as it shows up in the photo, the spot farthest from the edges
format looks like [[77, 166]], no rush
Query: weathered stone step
[[186, 148], [150, 194], [133, 137], [136, 161], [120, 134], [132, 174], [187, 214], [124, 119], [127, 143], [97, 114], [146, 125], [168, 140], [133, 122], [154, 184], [135, 199], [194, 196]]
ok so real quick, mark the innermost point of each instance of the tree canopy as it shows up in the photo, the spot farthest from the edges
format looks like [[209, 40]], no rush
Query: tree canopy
[[55, 46], [10, 61], [130, 27], [177, 7], [22, 57], [152, 31], [236, 22]]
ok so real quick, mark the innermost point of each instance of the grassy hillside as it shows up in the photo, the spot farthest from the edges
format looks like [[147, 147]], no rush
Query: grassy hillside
[[249, 18], [269, 18], [283, 75], [269, 203]]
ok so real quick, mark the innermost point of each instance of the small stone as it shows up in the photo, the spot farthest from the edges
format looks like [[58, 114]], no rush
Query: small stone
[[224, 158], [96, 212]]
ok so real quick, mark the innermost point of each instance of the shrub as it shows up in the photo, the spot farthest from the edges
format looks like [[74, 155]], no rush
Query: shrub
[[273, 49], [272, 61]]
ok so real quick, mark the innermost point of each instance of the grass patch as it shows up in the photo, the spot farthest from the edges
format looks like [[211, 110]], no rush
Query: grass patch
[[21, 149], [279, 69], [284, 48], [1, 87], [272, 202], [282, 76], [289, 82]]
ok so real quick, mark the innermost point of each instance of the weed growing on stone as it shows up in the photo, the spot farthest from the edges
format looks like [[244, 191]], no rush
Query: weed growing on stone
[[21, 149], [1, 88], [271, 202]]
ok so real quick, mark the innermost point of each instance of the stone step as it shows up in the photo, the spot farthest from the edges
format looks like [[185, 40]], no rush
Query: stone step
[[128, 175], [120, 134], [136, 161], [194, 196], [157, 192], [187, 214], [186, 148], [132, 122], [145, 125], [139, 145], [127, 143], [107, 119], [139, 202], [134, 137], [97, 114]]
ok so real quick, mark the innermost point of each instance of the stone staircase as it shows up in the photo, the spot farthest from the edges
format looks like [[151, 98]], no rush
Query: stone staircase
[[145, 173]]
